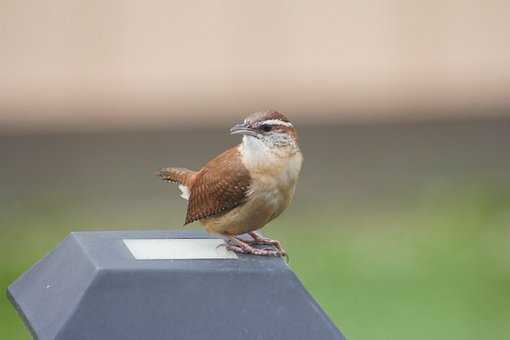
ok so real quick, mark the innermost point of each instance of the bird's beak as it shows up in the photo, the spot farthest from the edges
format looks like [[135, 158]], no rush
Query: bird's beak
[[242, 129]]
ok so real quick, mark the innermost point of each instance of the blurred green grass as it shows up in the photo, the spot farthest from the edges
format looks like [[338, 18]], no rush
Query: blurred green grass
[[436, 266]]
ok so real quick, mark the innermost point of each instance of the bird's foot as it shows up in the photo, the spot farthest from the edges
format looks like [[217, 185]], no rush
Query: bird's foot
[[259, 240], [241, 247]]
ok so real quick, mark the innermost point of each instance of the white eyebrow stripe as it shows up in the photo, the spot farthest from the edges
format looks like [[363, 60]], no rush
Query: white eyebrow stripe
[[277, 122]]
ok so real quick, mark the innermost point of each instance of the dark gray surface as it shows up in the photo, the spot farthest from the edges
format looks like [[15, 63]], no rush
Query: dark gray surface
[[91, 287]]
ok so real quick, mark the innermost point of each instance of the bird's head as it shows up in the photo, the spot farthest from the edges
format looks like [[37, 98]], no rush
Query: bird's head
[[271, 128]]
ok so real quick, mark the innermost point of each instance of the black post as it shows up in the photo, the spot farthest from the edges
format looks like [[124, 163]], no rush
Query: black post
[[162, 285]]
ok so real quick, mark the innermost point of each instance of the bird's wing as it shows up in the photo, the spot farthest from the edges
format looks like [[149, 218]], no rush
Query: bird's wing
[[221, 185]]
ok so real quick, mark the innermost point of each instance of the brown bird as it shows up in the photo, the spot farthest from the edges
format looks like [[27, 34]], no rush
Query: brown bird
[[247, 186]]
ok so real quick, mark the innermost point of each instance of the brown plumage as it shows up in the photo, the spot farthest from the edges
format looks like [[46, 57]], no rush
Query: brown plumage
[[246, 186], [221, 185], [177, 175]]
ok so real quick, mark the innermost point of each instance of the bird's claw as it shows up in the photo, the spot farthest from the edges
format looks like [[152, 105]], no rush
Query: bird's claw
[[259, 240], [243, 247]]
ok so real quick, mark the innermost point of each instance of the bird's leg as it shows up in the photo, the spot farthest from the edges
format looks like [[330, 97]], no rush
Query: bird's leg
[[242, 247], [257, 239]]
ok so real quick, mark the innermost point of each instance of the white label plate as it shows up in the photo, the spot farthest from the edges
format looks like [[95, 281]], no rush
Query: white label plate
[[178, 249]]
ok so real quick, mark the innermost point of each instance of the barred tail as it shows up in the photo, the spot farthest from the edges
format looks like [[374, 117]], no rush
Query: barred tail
[[182, 176]]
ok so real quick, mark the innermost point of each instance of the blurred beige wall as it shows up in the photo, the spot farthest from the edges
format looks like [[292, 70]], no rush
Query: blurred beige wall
[[122, 63]]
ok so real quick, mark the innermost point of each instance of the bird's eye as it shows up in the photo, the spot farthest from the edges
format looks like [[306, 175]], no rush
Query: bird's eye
[[266, 128]]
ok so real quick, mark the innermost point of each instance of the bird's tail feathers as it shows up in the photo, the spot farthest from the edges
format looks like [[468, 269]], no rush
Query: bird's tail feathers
[[182, 176]]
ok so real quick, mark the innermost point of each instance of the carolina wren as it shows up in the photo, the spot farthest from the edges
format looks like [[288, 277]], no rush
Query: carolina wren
[[248, 185]]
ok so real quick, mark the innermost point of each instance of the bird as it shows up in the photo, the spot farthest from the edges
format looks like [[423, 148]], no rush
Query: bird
[[247, 186]]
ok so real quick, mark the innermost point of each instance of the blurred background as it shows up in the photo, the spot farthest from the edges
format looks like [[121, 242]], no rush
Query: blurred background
[[401, 223]]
